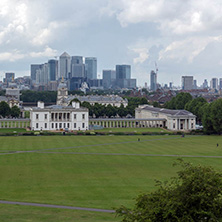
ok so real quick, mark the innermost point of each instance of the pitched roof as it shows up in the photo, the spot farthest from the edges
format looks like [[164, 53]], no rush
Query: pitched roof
[[168, 111]]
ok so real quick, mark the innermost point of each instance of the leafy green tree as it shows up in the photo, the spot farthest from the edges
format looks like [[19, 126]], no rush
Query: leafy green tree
[[15, 111], [179, 101], [194, 195], [4, 109], [156, 104], [74, 100], [216, 115], [195, 107]]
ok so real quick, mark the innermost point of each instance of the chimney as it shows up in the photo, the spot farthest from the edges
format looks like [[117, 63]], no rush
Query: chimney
[[40, 105]]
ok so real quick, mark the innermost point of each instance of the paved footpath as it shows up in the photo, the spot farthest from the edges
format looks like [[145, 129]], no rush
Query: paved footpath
[[56, 206]]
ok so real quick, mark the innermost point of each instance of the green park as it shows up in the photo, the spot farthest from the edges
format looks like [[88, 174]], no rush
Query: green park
[[100, 172]]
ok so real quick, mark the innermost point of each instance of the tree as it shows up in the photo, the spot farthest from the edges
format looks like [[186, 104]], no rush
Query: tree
[[195, 107], [194, 195], [15, 111], [179, 101], [4, 109]]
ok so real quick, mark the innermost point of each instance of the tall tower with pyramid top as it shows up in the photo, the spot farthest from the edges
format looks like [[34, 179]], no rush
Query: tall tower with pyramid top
[[62, 93]]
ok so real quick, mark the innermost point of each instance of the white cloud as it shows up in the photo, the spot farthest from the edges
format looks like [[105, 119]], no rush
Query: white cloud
[[177, 17], [11, 56], [48, 52], [187, 49]]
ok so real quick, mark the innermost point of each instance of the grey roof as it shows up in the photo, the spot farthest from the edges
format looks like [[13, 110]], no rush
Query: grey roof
[[65, 54], [168, 111], [97, 98], [58, 107]]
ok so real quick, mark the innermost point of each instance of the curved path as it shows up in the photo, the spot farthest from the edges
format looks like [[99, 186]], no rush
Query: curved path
[[56, 206]]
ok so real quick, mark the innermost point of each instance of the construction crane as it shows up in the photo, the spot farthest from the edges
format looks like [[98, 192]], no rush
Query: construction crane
[[156, 68]]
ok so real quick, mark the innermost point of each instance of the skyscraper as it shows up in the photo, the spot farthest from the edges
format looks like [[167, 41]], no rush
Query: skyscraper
[[123, 72], [109, 78], [214, 83], [153, 81], [64, 65], [91, 67], [53, 69], [34, 67], [77, 67], [123, 77], [187, 82]]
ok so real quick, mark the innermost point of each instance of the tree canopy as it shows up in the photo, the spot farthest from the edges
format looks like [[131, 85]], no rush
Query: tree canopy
[[179, 101], [194, 195], [4, 109]]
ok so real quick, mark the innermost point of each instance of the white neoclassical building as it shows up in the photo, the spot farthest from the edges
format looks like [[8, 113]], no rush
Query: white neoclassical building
[[57, 117], [177, 120]]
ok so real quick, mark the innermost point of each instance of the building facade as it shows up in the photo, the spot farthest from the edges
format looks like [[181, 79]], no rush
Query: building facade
[[91, 67], [187, 82], [64, 65], [153, 81], [109, 78], [58, 117], [176, 120], [113, 100]]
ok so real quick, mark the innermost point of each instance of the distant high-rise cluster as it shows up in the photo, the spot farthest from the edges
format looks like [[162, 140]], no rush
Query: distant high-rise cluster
[[78, 71]]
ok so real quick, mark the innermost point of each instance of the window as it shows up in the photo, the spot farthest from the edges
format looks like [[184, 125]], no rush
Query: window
[[52, 125], [45, 125], [37, 116], [174, 125], [60, 125], [56, 126], [83, 125], [74, 116], [191, 125], [45, 116], [67, 125], [37, 125], [64, 125], [83, 116], [74, 125]]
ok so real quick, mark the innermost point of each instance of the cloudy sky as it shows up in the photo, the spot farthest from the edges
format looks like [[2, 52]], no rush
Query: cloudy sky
[[184, 37]]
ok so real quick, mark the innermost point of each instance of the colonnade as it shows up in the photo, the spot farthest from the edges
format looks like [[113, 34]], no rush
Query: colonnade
[[14, 123], [60, 116], [127, 123]]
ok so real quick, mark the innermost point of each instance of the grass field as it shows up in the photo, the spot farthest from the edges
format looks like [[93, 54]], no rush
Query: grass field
[[90, 171]]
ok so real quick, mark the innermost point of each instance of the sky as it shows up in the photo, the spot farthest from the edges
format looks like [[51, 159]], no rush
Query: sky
[[183, 37]]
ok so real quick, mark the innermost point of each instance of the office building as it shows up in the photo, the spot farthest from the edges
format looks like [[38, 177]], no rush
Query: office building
[[34, 68], [220, 83], [194, 84], [91, 67], [123, 72], [77, 67], [205, 84], [153, 81], [42, 75], [53, 69], [109, 78], [187, 82], [123, 77], [64, 65], [214, 83]]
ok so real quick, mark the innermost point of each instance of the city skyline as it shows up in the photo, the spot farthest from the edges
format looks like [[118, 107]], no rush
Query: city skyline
[[183, 38]]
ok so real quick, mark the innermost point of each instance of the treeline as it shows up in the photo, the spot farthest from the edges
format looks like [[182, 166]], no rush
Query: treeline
[[35, 96], [208, 114], [6, 111], [99, 110]]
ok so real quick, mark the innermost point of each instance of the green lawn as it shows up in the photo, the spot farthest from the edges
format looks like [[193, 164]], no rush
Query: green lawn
[[11, 130], [72, 176]]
